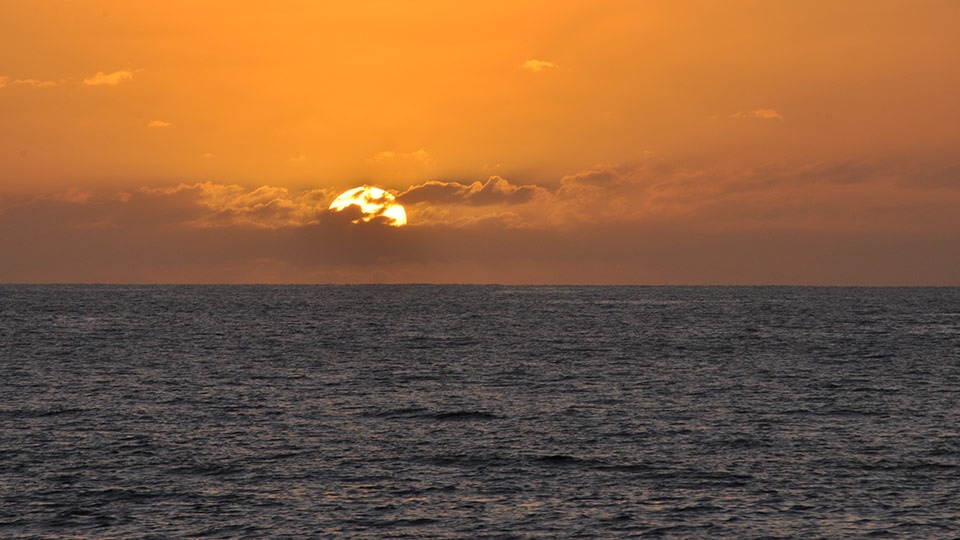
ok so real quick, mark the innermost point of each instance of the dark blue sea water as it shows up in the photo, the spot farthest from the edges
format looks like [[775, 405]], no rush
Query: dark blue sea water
[[479, 412]]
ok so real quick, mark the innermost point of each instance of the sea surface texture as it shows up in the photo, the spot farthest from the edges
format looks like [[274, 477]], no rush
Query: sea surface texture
[[478, 412]]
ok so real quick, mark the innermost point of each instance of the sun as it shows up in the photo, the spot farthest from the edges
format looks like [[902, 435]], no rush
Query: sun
[[374, 203]]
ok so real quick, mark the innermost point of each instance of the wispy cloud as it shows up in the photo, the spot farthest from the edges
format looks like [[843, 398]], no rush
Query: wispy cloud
[[98, 79], [419, 156], [158, 124], [73, 195], [109, 79], [36, 82], [537, 66], [7, 81], [762, 114]]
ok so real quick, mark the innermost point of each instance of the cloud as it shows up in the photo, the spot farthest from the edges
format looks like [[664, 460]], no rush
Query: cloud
[[406, 167], [598, 176], [73, 195], [947, 177], [418, 156], [188, 233], [781, 223], [7, 81], [762, 114], [150, 238], [537, 66], [495, 191], [98, 79], [109, 79], [606, 193], [842, 194], [158, 124], [36, 82], [223, 205]]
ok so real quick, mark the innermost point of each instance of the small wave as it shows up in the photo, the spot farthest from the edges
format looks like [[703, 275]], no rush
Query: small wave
[[40, 413], [278, 456], [411, 522], [206, 469], [869, 389], [743, 443], [424, 413], [627, 468], [464, 415], [404, 412], [558, 459], [466, 460], [927, 466]]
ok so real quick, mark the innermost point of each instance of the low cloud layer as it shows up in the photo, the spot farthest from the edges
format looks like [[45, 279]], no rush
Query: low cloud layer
[[817, 222]]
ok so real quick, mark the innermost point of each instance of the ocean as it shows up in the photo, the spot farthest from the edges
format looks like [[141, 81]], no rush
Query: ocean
[[421, 411]]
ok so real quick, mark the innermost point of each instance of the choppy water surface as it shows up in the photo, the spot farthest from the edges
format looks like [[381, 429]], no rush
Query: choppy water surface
[[473, 412]]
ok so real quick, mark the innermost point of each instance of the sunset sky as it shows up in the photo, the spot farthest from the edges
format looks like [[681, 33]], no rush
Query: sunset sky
[[594, 142]]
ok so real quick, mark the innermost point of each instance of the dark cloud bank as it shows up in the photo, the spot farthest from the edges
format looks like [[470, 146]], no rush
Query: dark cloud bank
[[53, 241], [209, 233]]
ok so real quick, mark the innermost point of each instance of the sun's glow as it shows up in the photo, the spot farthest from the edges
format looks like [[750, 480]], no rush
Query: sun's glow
[[373, 203]]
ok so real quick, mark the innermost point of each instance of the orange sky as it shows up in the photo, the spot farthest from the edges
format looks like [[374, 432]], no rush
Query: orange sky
[[702, 142]]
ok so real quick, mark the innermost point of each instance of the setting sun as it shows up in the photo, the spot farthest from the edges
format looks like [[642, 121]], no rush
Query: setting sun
[[373, 203]]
